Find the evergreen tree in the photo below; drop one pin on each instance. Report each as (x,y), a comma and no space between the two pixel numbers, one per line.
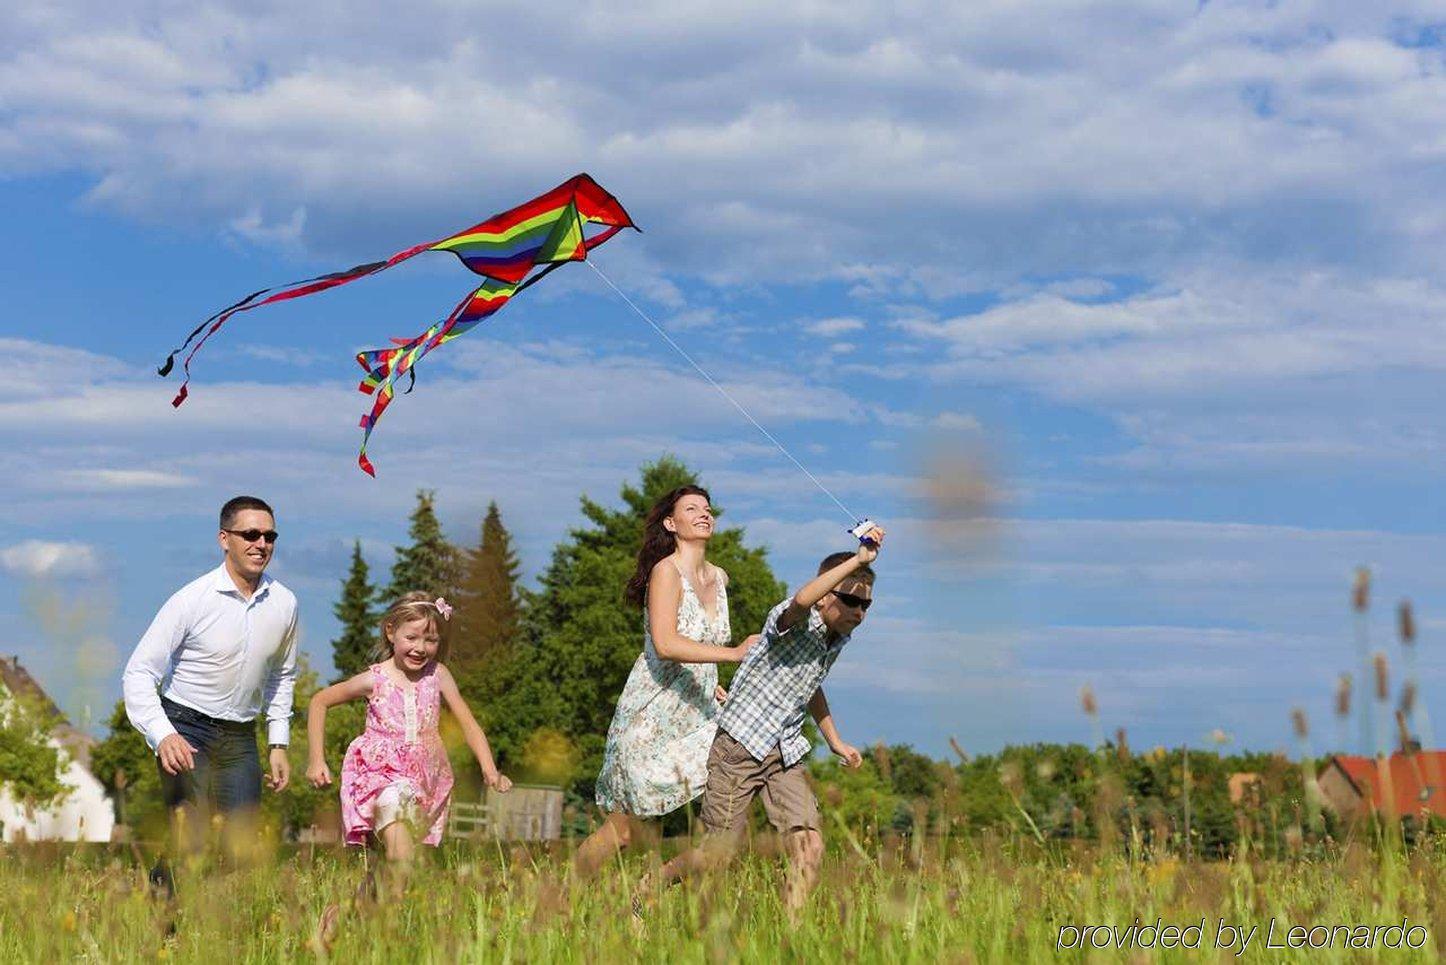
(127,768)
(430,563)
(351,650)
(303,805)
(580,638)
(489,604)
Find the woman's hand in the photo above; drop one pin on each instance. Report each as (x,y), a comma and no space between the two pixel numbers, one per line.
(318,774)
(719,694)
(749,642)
(498,782)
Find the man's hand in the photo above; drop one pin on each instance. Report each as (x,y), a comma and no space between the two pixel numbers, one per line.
(849,754)
(719,694)
(318,774)
(280,774)
(176,754)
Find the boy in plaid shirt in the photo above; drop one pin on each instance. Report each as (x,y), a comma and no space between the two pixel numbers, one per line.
(760,747)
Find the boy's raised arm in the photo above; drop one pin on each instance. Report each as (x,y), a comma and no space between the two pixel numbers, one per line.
(820,586)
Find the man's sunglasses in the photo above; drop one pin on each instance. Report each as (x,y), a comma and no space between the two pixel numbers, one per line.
(848,599)
(252,535)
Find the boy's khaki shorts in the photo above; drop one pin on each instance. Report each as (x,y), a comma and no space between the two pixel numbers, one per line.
(734,777)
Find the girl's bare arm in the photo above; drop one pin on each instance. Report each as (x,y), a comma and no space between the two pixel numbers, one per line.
(351,689)
(471,730)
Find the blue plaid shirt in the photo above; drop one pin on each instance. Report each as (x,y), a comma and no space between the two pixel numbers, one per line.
(771,691)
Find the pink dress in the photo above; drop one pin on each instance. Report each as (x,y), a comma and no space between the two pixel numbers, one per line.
(397,769)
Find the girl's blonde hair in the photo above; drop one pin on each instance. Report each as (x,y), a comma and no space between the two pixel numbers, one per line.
(414,606)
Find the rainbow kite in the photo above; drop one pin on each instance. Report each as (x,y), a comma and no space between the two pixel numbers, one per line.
(546,232)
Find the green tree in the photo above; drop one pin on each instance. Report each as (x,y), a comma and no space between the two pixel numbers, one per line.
(860,796)
(351,650)
(489,602)
(301,805)
(126,766)
(30,765)
(430,562)
(580,639)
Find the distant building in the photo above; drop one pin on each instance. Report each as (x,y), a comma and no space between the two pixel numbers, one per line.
(86,813)
(1408,785)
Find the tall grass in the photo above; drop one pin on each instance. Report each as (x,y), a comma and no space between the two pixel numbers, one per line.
(991,898)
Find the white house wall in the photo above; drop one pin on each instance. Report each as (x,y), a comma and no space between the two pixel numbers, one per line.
(86,814)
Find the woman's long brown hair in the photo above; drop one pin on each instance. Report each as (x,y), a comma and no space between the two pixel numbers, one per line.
(658,542)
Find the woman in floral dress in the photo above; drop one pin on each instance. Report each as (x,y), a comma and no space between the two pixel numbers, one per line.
(657,747)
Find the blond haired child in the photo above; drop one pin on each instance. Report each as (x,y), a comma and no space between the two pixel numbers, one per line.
(395,779)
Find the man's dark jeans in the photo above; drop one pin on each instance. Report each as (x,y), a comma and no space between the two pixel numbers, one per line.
(225,780)
(227,776)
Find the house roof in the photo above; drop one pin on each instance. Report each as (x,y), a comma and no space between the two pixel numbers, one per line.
(1417,781)
(17,680)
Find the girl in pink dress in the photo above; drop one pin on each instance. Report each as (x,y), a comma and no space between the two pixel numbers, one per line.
(395,779)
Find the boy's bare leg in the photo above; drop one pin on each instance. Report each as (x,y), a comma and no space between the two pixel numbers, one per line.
(615,834)
(714,854)
(805,854)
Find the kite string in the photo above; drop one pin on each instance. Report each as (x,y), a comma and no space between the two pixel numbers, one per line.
(722,391)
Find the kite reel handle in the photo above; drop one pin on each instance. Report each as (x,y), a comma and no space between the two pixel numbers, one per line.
(868,532)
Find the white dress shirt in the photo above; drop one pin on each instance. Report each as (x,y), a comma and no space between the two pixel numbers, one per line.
(214,651)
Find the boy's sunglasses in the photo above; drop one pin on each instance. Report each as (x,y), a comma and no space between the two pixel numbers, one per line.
(252,535)
(848,599)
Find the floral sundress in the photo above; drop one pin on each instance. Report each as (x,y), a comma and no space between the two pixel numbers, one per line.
(656,758)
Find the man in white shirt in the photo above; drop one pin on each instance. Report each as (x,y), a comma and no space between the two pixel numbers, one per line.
(221,651)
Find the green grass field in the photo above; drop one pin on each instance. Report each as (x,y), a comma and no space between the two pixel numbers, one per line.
(981,900)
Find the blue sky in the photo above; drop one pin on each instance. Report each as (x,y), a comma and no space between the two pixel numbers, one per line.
(1124,318)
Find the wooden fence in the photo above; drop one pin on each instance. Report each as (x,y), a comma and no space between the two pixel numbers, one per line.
(529,812)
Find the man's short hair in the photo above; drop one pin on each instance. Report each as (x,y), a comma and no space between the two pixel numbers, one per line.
(864,574)
(237,504)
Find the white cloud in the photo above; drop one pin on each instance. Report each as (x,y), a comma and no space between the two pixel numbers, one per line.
(1286,208)
(694,318)
(1247,370)
(832,327)
(590,420)
(283,234)
(278,354)
(1001,140)
(48,369)
(956,421)
(101,480)
(43,558)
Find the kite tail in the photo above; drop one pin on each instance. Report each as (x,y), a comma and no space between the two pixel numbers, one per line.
(385,365)
(367,422)
(280,294)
